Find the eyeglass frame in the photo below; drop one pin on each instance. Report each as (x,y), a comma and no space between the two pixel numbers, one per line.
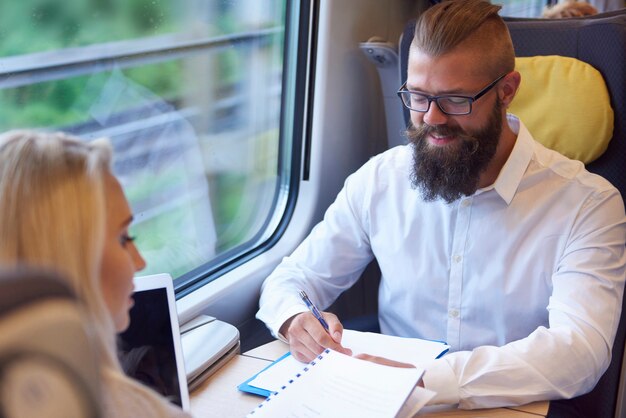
(435,99)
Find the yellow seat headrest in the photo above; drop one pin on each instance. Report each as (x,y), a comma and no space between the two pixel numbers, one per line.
(565,104)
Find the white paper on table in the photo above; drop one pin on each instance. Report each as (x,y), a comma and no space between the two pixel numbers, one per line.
(338,385)
(274,378)
(407,350)
(416,401)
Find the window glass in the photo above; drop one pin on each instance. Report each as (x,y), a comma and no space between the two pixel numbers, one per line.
(188,91)
(535,8)
(522,8)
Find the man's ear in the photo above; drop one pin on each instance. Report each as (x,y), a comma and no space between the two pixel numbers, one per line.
(508,87)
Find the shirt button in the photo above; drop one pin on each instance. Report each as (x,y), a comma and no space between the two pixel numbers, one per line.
(466,203)
(453,313)
(457,258)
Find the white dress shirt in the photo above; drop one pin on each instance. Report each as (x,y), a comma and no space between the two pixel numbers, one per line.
(523,279)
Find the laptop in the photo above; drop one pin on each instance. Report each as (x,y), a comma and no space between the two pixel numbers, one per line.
(150,350)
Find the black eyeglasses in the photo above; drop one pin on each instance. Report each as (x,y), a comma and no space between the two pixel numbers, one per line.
(450,104)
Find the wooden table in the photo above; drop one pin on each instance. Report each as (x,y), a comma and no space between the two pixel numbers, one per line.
(218,396)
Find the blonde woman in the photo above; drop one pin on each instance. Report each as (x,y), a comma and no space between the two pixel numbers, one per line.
(61,208)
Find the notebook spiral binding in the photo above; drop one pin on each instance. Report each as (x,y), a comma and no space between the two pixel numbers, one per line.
(306,369)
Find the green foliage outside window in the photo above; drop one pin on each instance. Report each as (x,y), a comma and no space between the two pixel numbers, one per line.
(32,29)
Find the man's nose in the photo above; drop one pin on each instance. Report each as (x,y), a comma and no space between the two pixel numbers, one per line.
(435,116)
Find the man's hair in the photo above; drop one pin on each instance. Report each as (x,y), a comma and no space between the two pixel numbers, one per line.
(445,26)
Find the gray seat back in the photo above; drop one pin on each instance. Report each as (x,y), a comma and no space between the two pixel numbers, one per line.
(48,365)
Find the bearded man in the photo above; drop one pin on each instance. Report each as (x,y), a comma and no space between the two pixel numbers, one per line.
(508,251)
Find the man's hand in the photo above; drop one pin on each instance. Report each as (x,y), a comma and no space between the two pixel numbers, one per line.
(384,361)
(307,337)
(387,362)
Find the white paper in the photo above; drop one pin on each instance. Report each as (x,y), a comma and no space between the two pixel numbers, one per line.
(406,350)
(342,386)
(276,376)
(416,401)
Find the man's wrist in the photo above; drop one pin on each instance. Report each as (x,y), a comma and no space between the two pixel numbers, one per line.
(280,327)
(283,332)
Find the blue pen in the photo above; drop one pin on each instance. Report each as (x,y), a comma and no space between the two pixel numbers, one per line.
(313,309)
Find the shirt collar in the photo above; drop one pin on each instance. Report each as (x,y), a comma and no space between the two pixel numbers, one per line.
(510,176)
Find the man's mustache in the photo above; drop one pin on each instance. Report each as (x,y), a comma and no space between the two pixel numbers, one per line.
(439,130)
(425,129)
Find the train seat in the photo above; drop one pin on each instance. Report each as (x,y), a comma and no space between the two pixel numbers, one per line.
(599,41)
(48,364)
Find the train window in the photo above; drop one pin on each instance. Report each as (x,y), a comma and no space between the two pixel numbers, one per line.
(191,95)
(536,8)
(522,8)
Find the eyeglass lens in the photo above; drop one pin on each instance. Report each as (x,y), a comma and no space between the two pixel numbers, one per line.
(450,104)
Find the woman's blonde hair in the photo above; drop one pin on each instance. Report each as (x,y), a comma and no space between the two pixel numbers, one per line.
(53,216)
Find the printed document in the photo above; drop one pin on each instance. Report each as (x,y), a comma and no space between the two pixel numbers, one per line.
(337,385)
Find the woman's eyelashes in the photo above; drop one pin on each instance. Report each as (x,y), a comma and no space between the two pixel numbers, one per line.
(125,239)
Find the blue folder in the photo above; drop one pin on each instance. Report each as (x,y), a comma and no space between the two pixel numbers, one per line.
(245,387)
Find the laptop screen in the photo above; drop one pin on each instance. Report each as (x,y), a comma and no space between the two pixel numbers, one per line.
(147,349)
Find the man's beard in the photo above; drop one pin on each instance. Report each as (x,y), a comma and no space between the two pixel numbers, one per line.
(453,170)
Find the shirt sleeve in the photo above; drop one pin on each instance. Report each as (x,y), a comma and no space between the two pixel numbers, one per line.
(569,357)
(326,263)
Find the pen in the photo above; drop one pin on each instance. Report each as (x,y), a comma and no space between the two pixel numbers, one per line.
(313,309)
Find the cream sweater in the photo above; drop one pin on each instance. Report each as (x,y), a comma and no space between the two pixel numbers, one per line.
(122,397)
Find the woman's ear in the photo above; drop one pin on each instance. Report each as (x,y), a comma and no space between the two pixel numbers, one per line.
(508,87)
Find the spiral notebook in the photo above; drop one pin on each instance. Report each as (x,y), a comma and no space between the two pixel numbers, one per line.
(407,350)
(337,385)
